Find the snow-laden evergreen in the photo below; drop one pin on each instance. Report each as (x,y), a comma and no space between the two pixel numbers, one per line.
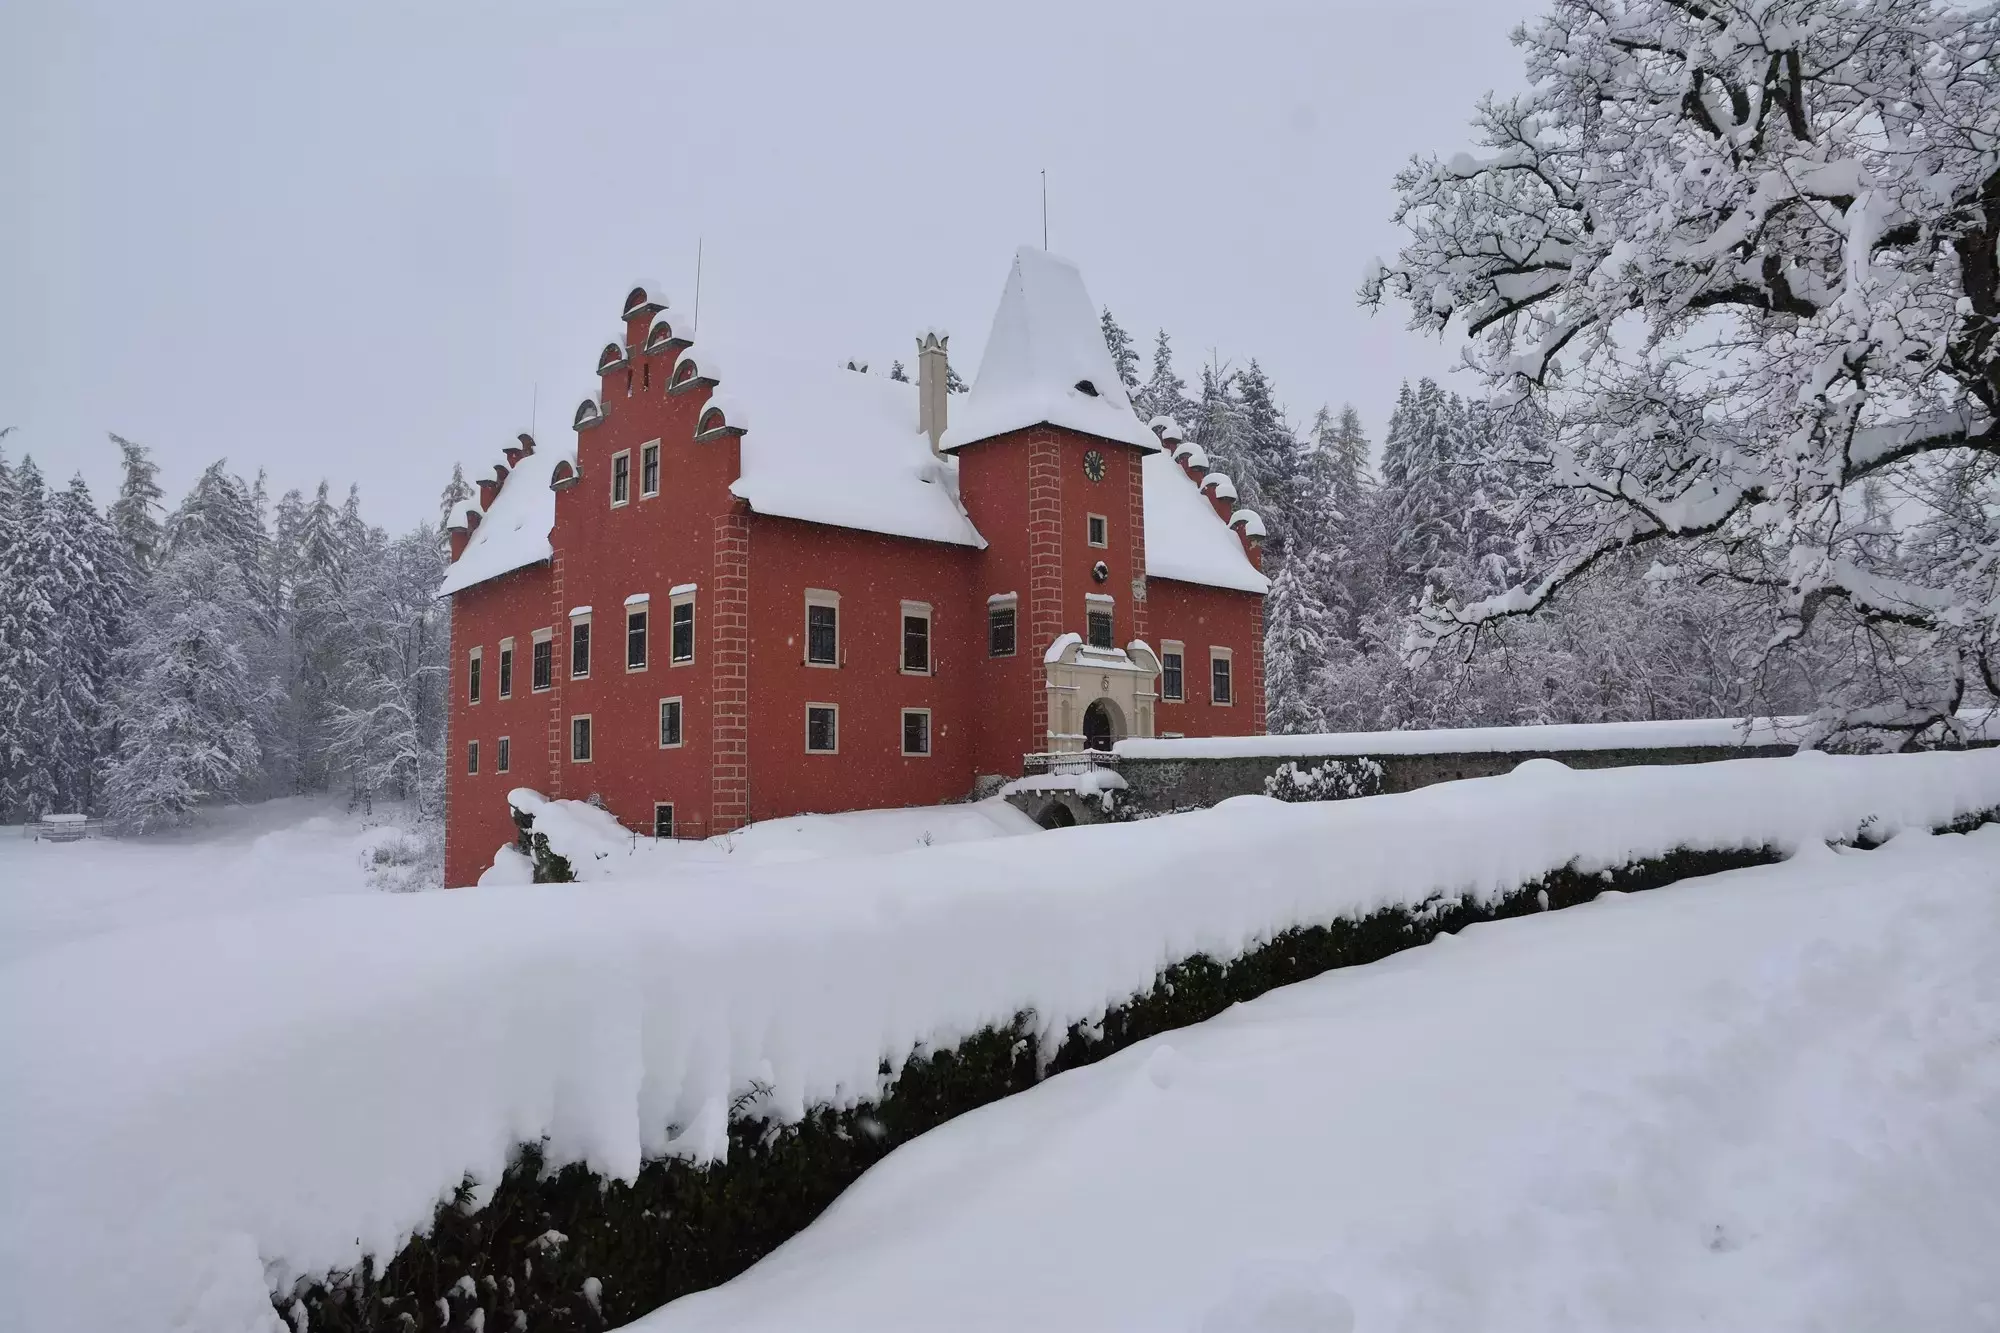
(1123,355)
(150,667)
(189,701)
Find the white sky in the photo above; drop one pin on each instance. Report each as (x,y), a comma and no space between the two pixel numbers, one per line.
(350,240)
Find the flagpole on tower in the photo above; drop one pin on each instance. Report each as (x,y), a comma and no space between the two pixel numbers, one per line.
(1045,208)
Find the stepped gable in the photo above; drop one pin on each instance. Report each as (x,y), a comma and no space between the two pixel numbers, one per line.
(509,527)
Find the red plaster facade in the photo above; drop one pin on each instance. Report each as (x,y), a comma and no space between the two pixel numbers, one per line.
(746,684)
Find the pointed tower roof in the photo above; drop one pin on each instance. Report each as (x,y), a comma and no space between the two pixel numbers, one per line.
(1045,361)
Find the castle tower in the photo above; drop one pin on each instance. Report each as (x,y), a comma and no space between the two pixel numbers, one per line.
(1050,450)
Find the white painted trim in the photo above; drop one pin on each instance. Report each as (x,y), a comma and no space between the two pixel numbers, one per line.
(902,734)
(625,454)
(812,704)
(650,447)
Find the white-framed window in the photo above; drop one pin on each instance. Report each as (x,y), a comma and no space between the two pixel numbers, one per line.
(542,663)
(1173,671)
(506,668)
(474,661)
(670,723)
(472,756)
(663,819)
(1098,629)
(1222,675)
(638,630)
(916,638)
(822,728)
(579,647)
(579,738)
(649,470)
(917,731)
(1097,530)
(503,755)
(822,628)
(621,477)
(680,642)
(1001,626)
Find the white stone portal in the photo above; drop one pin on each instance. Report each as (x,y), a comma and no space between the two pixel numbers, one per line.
(1098,696)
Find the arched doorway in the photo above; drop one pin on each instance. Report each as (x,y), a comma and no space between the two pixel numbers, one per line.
(1101,725)
(1057,816)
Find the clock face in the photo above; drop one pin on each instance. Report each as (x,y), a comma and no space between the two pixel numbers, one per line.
(1093,465)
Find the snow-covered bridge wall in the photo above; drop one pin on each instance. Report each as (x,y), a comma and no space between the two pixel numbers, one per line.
(1164,775)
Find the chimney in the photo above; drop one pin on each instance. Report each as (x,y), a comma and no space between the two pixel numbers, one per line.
(931,372)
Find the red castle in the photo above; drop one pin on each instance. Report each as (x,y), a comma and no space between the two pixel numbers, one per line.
(754,589)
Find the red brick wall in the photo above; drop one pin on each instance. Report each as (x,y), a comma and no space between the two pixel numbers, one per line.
(1201,617)
(874,576)
(993,483)
(476,818)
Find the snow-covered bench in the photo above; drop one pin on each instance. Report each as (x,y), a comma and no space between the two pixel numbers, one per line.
(63,828)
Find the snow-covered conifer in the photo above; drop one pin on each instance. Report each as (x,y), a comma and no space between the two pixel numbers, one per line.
(1123,355)
(451,503)
(91,590)
(29,584)
(1165,393)
(135,514)
(186,704)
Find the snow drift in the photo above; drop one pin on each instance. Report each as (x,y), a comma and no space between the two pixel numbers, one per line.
(199,1113)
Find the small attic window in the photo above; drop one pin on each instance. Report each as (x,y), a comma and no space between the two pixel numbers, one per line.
(1086,388)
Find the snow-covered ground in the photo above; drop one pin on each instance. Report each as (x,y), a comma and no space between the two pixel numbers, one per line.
(198,1110)
(235,858)
(1765,1100)
(600,848)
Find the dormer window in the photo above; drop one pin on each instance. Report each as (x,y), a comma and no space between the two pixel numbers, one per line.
(1086,388)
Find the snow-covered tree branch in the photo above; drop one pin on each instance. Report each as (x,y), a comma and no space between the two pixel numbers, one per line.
(1746,256)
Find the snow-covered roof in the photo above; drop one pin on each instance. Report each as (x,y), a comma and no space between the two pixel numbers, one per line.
(825,444)
(1186,539)
(832,445)
(515,532)
(1046,341)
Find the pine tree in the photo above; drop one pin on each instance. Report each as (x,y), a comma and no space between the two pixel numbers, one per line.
(1123,356)
(457,491)
(1423,548)
(386,722)
(1347,446)
(135,513)
(93,586)
(1165,393)
(897,373)
(220,513)
(28,597)
(1269,452)
(1298,640)
(186,707)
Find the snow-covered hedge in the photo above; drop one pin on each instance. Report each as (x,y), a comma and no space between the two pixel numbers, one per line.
(1334,780)
(198,1115)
